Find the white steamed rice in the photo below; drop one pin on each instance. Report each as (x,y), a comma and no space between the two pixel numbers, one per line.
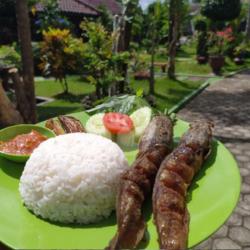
(73,178)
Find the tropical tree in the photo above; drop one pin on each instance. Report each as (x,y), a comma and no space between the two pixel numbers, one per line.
(25,90)
(161,21)
(124,35)
(221,10)
(100,61)
(175,13)
(25,110)
(138,31)
(105,17)
(155,26)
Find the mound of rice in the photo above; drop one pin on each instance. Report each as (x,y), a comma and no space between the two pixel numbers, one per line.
(73,178)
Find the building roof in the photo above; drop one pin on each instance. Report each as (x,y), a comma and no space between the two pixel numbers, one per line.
(112,5)
(86,7)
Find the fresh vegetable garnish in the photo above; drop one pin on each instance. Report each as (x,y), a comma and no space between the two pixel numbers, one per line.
(95,126)
(141,118)
(126,141)
(118,123)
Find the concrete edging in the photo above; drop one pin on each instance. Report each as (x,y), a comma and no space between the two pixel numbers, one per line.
(194,93)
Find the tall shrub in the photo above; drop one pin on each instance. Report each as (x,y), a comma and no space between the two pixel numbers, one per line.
(202,41)
(221,10)
(61,52)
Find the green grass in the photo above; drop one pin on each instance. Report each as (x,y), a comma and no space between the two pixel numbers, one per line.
(193,68)
(186,62)
(168,94)
(63,104)
(51,87)
(58,107)
(187,50)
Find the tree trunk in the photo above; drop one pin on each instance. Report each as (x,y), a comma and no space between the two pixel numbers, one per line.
(66,89)
(5,78)
(174,29)
(24,34)
(22,104)
(124,39)
(98,91)
(248,22)
(8,114)
(152,72)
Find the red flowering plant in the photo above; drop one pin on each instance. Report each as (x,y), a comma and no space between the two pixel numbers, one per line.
(218,41)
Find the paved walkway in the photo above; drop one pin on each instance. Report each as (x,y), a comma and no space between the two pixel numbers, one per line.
(227,103)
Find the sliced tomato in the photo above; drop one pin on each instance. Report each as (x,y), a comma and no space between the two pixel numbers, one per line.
(118,123)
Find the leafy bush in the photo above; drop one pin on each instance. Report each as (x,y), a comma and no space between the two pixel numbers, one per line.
(9,57)
(200,24)
(60,52)
(220,40)
(101,63)
(36,49)
(137,63)
(221,10)
(242,50)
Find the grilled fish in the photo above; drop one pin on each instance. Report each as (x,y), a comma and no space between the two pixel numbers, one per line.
(137,183)
(172,181)
(64,125)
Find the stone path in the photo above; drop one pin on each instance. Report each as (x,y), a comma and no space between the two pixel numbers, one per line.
(227,104)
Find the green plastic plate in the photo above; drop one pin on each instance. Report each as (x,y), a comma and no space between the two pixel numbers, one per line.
(212,198)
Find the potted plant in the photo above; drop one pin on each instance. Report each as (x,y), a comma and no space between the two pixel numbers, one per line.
(217,46)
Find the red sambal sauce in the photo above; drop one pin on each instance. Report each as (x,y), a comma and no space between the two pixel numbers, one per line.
(23,144)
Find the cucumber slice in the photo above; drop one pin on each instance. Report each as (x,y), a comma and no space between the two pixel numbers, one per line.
(141,118)
(95,125)
(126,141)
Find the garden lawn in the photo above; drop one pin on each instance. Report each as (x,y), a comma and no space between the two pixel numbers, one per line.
(186,63)
(63,104)
(168,94)
(191,67)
